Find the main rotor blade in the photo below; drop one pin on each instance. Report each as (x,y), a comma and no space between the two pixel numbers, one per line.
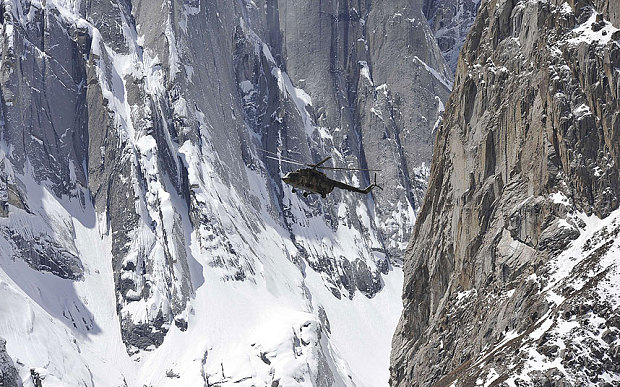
(286,161)
(280,157)
(317,165)
(270,152)
(320,162)
(350,169)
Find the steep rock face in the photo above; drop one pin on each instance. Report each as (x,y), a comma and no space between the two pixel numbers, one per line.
(514,251)
(377,82)
(34,138)
(131,167)
(8,374)
(450,20)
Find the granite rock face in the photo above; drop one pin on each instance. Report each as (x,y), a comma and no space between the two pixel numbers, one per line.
(450,21)
(34,139)
(8,374)
(513,254)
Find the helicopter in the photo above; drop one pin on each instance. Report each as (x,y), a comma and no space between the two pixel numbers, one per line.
(311,180)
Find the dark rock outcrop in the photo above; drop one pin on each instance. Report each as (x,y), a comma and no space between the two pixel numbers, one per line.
(8,373)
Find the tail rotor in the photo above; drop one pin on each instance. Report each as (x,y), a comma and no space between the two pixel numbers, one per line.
(373,185)
(377,185)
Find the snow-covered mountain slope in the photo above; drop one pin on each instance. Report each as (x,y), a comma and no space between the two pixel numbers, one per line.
(283,325)
(511,278)
(145,237)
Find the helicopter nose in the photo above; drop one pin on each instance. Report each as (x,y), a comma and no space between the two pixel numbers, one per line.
(285,179)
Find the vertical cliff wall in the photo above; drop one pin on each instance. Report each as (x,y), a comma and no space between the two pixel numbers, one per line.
(8,374)
(450,21)
(511,276)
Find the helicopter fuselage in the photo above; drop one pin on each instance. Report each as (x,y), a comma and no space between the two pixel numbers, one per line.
(310,180)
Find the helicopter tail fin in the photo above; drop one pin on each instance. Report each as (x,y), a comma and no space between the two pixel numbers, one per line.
(373,185)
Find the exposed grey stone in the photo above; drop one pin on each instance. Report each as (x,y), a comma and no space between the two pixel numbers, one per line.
(8,373)
(324,319)
(530,115)
(43,253)
(147,336)
(450,21)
